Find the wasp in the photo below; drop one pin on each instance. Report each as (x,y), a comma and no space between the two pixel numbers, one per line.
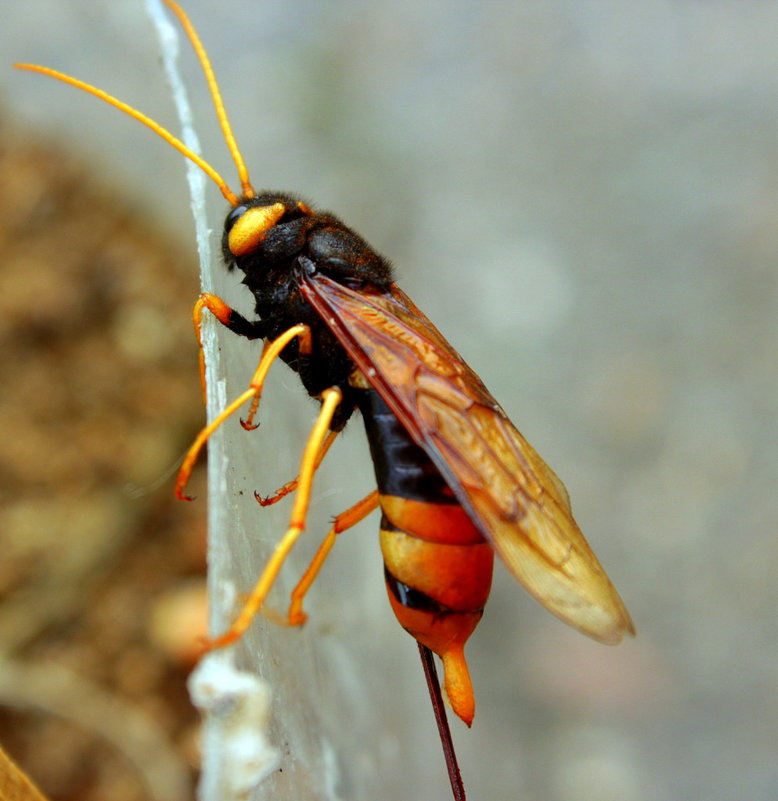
(456,481)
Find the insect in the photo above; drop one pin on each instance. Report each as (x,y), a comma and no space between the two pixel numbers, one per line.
(456,481)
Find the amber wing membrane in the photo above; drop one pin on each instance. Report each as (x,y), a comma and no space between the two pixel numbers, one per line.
(511,494)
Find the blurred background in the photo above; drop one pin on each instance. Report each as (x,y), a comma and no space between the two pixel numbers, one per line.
(582,196)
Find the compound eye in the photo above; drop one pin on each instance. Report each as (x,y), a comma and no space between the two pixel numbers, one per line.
(234,215)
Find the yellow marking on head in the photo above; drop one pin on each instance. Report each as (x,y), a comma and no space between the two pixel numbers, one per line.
(252,226)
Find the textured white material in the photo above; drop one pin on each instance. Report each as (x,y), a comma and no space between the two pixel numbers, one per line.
(243,716)
(235,705)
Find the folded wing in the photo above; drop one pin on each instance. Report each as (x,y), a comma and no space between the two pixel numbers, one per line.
(511,494)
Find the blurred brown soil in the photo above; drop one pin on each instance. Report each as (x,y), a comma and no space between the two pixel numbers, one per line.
(101,570)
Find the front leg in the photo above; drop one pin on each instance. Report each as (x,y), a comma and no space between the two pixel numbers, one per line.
(229,318)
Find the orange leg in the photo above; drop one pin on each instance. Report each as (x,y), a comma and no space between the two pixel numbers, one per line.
(343,522)
(254,390)
(331,398)
(229,318)
(291,486)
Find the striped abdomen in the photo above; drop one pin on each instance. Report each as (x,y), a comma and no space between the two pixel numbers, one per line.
(438,567)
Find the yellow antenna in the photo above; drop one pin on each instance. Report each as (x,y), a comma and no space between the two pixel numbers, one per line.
(231,197)
(218,103)
(243,173)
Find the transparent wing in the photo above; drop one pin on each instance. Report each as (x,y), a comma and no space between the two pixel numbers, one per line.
(513,496)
